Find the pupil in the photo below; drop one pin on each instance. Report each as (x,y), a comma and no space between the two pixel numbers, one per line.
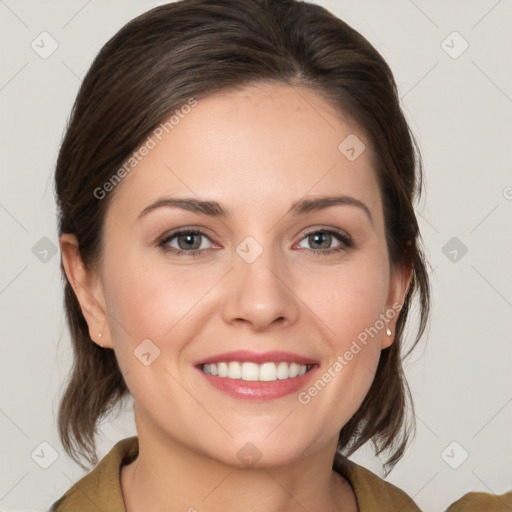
(189,241)
(317,236)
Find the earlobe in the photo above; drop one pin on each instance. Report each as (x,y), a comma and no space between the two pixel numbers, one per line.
(399,286)
(87,287)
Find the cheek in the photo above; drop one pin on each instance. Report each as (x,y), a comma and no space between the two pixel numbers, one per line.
(151,301)
(157,305)
(350,300)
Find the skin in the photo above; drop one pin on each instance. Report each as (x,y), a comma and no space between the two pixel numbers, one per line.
(255,150)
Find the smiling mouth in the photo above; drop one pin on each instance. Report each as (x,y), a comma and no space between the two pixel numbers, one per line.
(248,371)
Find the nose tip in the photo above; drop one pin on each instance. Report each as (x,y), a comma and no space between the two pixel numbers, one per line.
(258,297)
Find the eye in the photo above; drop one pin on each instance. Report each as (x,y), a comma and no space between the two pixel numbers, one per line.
(321,241)
(194,242)
(187,241)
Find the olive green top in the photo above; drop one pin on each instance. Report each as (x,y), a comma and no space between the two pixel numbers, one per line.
(100,490)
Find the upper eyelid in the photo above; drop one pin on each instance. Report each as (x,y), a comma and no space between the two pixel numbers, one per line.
(336,231)
(185,229)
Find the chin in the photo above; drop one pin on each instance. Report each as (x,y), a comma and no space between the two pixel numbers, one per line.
(260,453)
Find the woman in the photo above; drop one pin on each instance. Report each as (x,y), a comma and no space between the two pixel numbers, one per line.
(235,193)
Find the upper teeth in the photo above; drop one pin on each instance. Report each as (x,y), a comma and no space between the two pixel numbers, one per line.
(252,371)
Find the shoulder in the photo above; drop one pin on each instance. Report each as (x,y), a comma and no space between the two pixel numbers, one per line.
(372,492)
(100,489)
(480,501)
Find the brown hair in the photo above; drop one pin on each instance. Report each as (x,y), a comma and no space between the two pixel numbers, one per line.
(192,49)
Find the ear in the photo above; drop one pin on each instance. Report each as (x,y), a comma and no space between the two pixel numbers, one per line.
(400,280)
(87,286)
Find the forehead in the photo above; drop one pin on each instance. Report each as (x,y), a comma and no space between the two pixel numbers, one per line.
(259,145)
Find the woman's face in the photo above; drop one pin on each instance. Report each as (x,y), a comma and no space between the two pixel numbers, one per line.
(275,279)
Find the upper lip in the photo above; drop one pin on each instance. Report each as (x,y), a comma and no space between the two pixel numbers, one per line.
(257,357)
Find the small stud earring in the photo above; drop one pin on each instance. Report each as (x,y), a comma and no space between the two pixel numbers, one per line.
(99,336)
(388,331)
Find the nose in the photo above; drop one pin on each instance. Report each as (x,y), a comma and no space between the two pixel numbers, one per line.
(260,294)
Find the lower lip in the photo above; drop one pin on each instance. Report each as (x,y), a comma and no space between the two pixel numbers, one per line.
(258,390)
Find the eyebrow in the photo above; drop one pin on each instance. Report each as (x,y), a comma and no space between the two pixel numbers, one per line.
(214,209)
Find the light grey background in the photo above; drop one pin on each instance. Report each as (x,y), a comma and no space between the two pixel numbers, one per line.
(459,109)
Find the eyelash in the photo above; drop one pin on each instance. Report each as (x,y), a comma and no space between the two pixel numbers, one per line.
(345,239)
